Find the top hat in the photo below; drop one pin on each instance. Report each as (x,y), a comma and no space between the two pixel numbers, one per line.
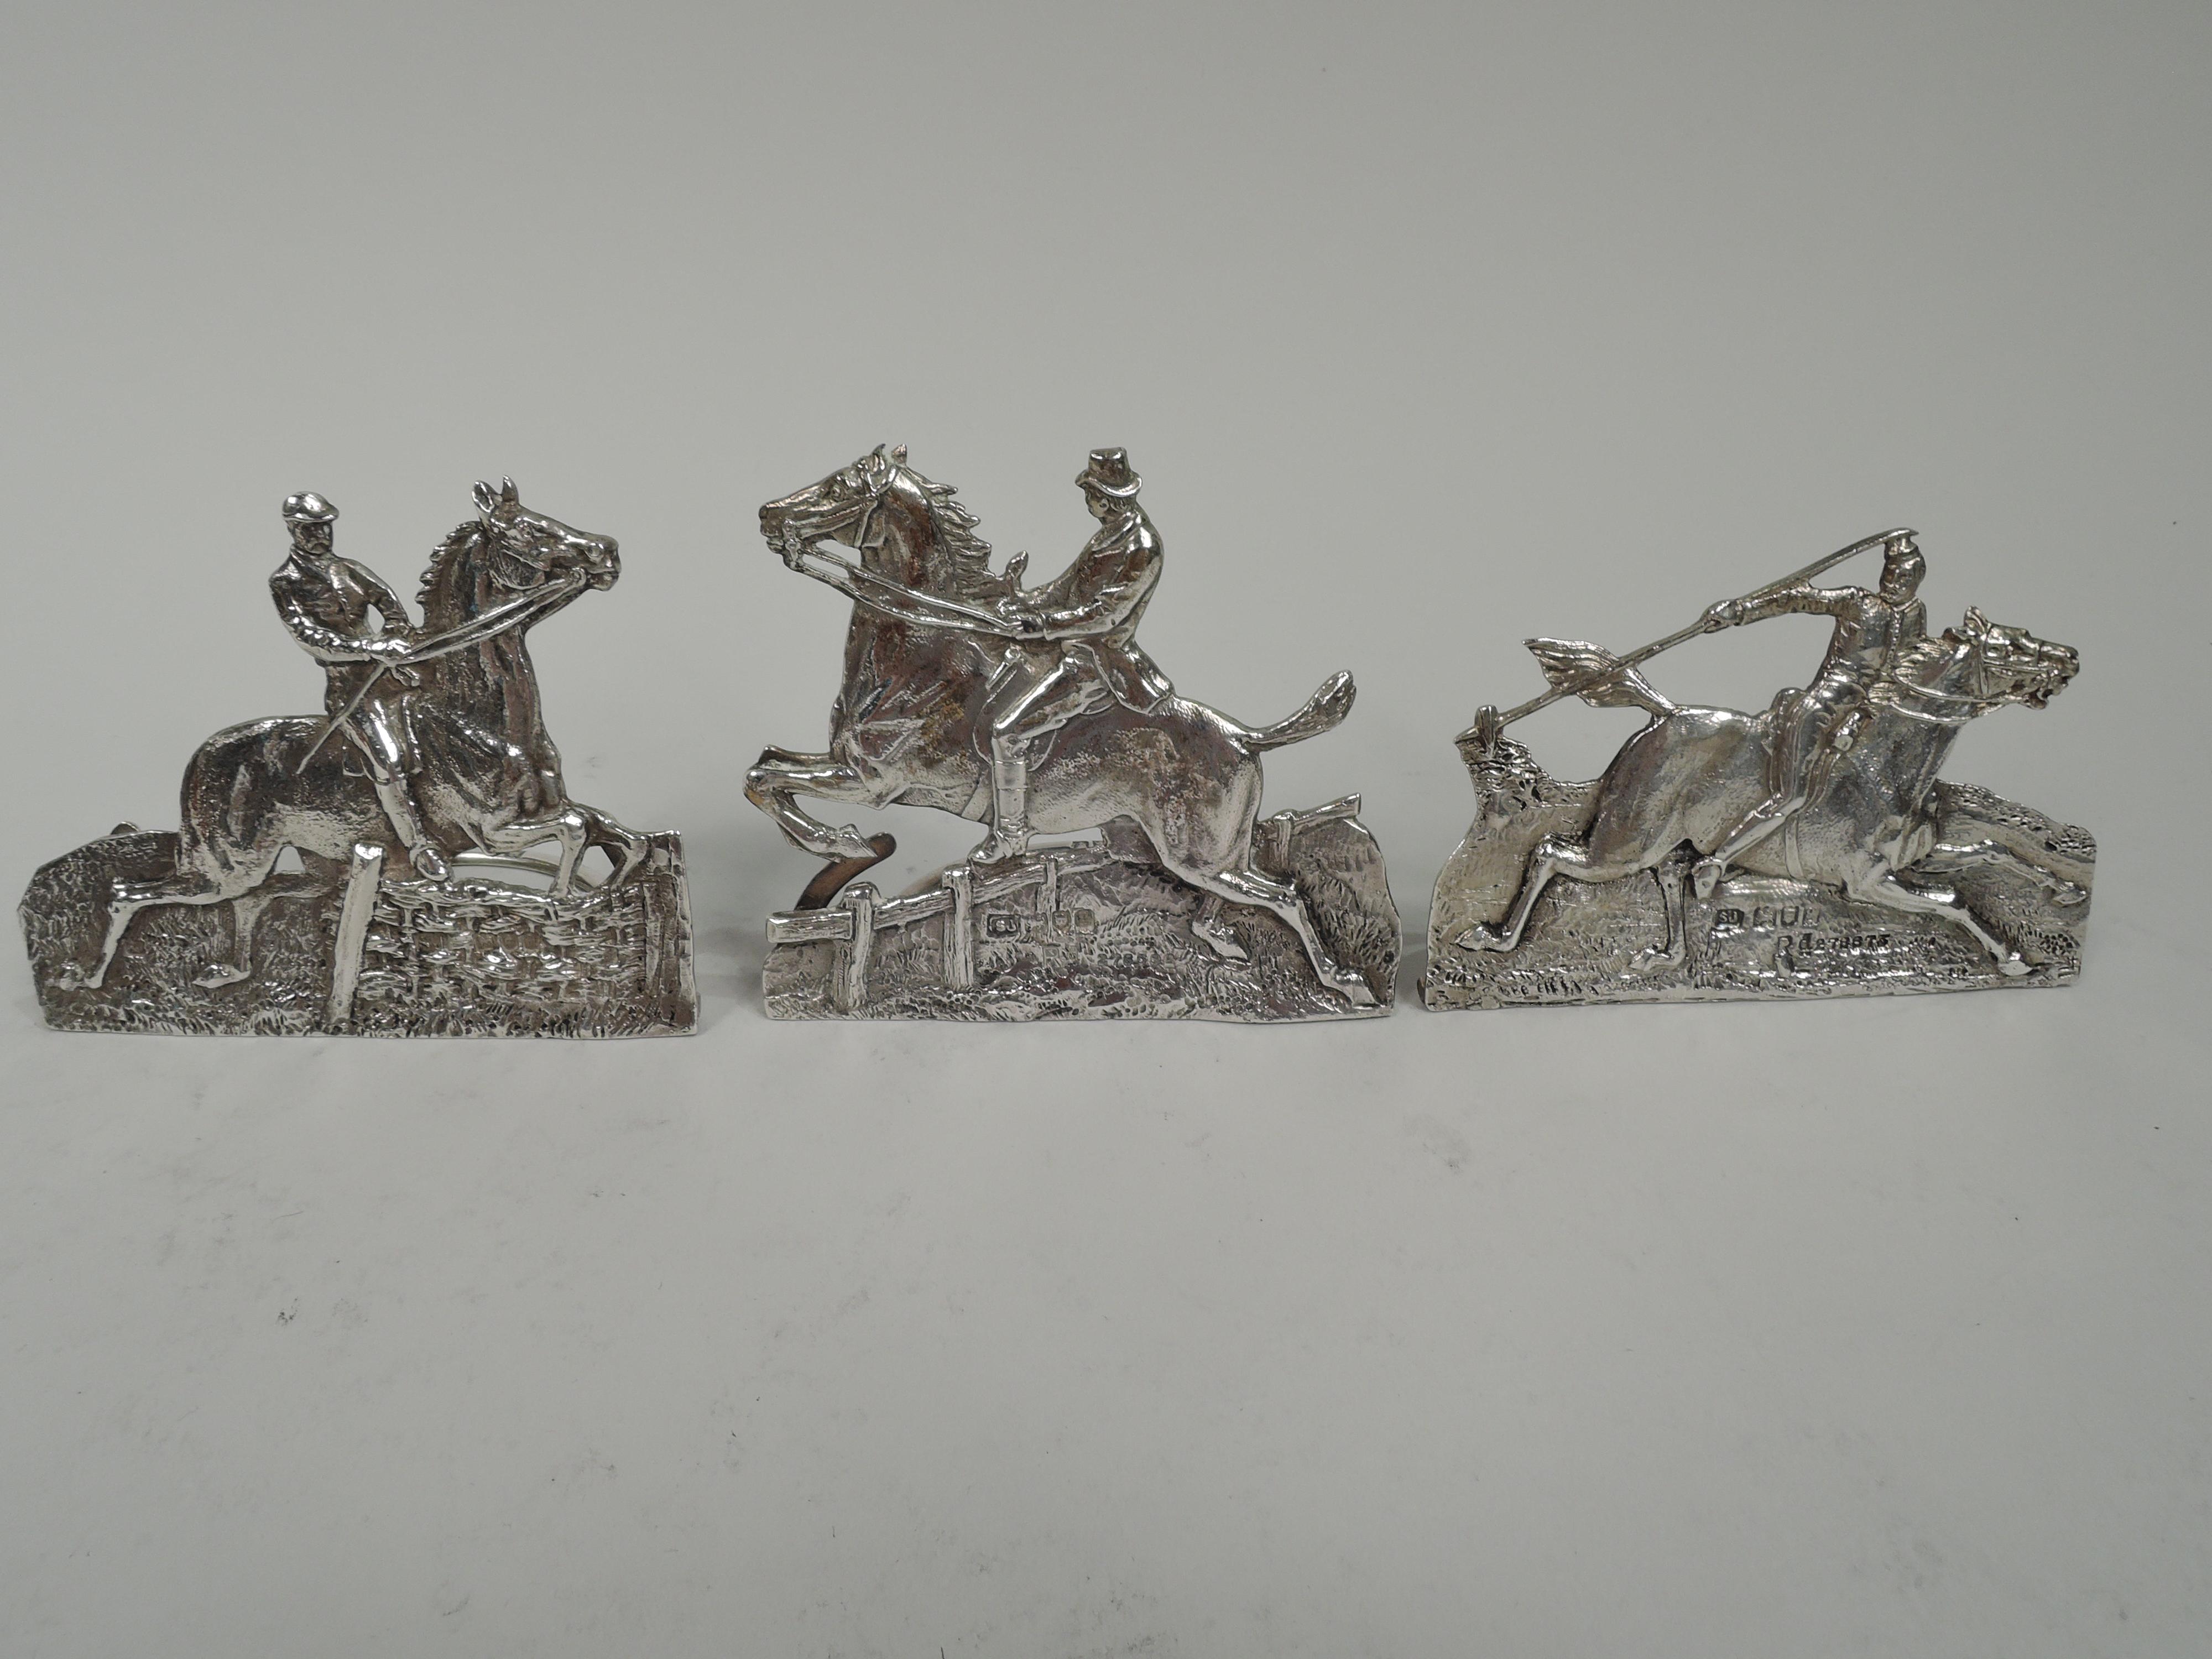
(1109,474)
(308,507)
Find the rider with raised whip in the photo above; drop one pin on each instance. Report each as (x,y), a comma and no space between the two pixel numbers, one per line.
(324,602)
(1870,628)
(1076,650)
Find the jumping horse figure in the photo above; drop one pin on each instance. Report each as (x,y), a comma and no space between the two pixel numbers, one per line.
(1693,774)
(906,726)
(491,777)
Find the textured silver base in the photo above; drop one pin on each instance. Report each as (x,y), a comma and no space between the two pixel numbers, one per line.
(1757,936)
(1083,932)
(485,954)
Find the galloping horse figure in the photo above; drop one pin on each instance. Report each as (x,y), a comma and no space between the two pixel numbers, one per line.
(904,728)
(1693,773)
(490,779)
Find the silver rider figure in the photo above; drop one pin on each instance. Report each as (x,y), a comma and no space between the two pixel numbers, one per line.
(324,602)
(1084,655)
(1870,628)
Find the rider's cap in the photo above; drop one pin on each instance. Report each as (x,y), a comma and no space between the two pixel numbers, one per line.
(1108,473)
(308,507)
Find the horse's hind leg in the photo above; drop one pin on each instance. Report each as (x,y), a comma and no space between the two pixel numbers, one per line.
(244,915)
(1881,886)
(1248,886)
(1553,855)
(193,883)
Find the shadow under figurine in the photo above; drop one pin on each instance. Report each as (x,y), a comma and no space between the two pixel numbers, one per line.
(413,806)
(1810,850)
(1034,710)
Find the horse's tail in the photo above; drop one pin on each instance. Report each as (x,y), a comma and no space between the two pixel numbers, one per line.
(1578,666)
(1324,711)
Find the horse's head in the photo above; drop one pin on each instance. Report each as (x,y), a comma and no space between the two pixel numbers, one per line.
(2010,665)
(902,525)
(529,549)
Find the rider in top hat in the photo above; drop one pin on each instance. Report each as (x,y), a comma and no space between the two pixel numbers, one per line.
(1084,655)
(1870,628)
(324,602)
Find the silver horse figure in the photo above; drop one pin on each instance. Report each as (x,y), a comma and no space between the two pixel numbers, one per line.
(930,631)
(490,776)
(1839,791)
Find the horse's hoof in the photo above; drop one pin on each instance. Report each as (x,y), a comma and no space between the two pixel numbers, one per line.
(2015,967)
(1216,935)
(1706,876)
(429,864)
(1653,962)
(222,973)
(1481,937)
(2068,893)
(850,843)
(1353,988)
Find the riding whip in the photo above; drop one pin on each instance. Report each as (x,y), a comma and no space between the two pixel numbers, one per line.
(1489,722)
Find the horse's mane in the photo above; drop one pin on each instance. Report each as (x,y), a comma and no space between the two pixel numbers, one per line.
(970,574)
(445,560)
(956,525)
(1918,663)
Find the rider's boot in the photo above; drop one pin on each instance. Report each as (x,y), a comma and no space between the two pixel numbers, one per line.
(398,802)
(1010,803)
(1756,825)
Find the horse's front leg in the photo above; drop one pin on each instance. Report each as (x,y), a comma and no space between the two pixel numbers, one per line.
(781,776)
(568,829)
(1881,886)
(1945,857)
(625,846)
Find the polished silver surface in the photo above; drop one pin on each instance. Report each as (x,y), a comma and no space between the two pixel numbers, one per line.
(1035,711)
(1809,850)
(413,806)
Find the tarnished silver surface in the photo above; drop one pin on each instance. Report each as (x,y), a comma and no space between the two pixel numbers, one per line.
(414,805)
(1810,850)
(1035,711)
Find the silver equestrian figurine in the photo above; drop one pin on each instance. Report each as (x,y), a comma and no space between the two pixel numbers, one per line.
(1809,850)
(1036,711)
(410,812)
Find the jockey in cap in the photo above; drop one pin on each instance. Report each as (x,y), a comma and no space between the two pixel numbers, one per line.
(324,602)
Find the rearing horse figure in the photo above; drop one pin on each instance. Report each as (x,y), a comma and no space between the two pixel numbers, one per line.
(904,728)
(1693,773)
(491,777)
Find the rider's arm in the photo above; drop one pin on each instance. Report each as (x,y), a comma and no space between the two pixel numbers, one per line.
(1798,599)
(318,639)
(1107,609)
(389,605)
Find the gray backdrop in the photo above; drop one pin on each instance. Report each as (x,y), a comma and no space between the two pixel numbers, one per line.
(1872,1328)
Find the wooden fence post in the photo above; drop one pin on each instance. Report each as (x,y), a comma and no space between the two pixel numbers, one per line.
(851,990)
(960,928)
(360,904)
